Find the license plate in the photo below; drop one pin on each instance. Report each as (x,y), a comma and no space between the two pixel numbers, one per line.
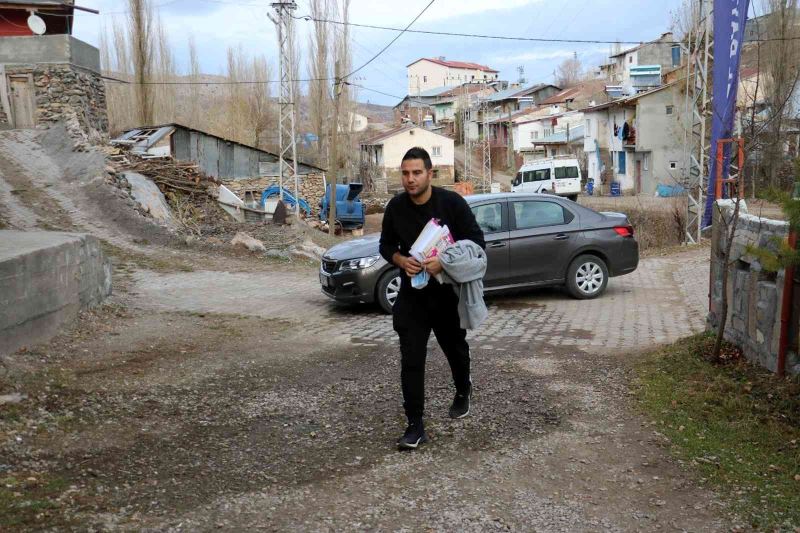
(325,280)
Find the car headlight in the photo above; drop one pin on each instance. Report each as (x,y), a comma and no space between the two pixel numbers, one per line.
(360,263)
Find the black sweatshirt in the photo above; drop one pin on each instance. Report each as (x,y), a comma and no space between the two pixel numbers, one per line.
(403,222)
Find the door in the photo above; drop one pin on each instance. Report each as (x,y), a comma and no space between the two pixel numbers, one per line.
(541,237)
(493,220)
(22,106)
(638,176)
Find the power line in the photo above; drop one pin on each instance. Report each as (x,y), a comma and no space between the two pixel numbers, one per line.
(373,58)
(308,18)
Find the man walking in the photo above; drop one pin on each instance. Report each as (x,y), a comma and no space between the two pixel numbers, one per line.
(417,312)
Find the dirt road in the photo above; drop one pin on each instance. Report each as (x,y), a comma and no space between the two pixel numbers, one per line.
(229,393)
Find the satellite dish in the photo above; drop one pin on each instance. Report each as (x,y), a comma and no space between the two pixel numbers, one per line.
(36,24)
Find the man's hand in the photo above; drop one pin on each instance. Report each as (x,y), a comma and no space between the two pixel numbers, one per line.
(433,265)
(411,266)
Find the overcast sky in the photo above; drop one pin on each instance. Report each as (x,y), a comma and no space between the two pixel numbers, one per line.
(218,24)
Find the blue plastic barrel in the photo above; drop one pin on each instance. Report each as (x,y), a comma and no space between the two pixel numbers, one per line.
(590,187)
(615,189)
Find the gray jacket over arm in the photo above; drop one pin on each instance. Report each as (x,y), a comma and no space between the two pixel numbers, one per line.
(464,265)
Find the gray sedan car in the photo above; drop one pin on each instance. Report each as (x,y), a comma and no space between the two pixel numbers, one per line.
(532,240)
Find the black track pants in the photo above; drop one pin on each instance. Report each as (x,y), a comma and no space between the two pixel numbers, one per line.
(415,316)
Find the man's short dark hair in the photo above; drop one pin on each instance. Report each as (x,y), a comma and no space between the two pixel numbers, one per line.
(419,153)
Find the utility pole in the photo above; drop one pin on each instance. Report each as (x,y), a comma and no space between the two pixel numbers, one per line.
(333,165)
(287,153)
(467,147)
(486,145)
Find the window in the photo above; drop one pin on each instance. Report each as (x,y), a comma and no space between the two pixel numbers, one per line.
(670,109)
(588,127)
(489,217)
(424,79)
(646,161)
(621,165)
(536,214)
(436,151)
(566,173)
(630,59)
(535,135)
(676,55)
(673,165)
(542,174)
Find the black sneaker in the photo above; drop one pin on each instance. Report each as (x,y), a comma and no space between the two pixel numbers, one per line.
(413,437)
(460,407)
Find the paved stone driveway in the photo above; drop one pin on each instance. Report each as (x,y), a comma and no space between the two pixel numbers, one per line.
(663,300)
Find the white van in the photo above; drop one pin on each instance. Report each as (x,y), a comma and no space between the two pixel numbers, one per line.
(554,175)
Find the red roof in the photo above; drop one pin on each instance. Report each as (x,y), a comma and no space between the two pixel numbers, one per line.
(456,64)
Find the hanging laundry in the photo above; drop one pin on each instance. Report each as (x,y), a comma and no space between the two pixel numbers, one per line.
(616,129)
(625,131)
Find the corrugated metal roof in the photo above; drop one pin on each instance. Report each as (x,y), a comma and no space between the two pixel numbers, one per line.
(378,139)
(515,92)
(164,129)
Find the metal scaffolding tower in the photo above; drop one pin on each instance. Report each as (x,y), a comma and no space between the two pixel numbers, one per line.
(698,113)
(287,162)
(486,146)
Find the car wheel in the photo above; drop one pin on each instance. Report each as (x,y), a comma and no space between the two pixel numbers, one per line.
(387,290)
(587,277)
(573,197)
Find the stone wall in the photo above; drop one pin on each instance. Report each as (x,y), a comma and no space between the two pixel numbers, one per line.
(312,187)
(66,93)
(754,295)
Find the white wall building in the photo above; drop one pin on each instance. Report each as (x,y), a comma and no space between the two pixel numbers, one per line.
(651,155)
(430,73)
(385,152)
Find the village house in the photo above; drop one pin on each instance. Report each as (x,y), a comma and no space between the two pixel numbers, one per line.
(244,169)
(437,108)
(556,127)
(46,74)
(548,132)
(382,155)
(637,141)
(430,73)
(642,66)
(503,109)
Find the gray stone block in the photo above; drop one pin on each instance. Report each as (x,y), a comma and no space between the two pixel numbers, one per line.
(46,278)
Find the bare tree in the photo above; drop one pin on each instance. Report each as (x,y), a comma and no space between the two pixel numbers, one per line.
(140,21)
(569,72)
(319,94)
(348,157)
(193,104)
(259,101)
(780,56)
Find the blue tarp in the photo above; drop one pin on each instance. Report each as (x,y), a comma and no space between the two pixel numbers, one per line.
(288,198)
(666,191)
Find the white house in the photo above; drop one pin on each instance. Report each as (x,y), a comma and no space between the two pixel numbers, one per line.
(637,141)
(384,153)
(642,66)
(429,73)
(531,129)
(356,123)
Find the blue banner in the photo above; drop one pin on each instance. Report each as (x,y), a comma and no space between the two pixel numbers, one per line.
(730,17)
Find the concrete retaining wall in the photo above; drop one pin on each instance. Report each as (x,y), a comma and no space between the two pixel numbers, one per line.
(49,49)
(754,295)
(46,278)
